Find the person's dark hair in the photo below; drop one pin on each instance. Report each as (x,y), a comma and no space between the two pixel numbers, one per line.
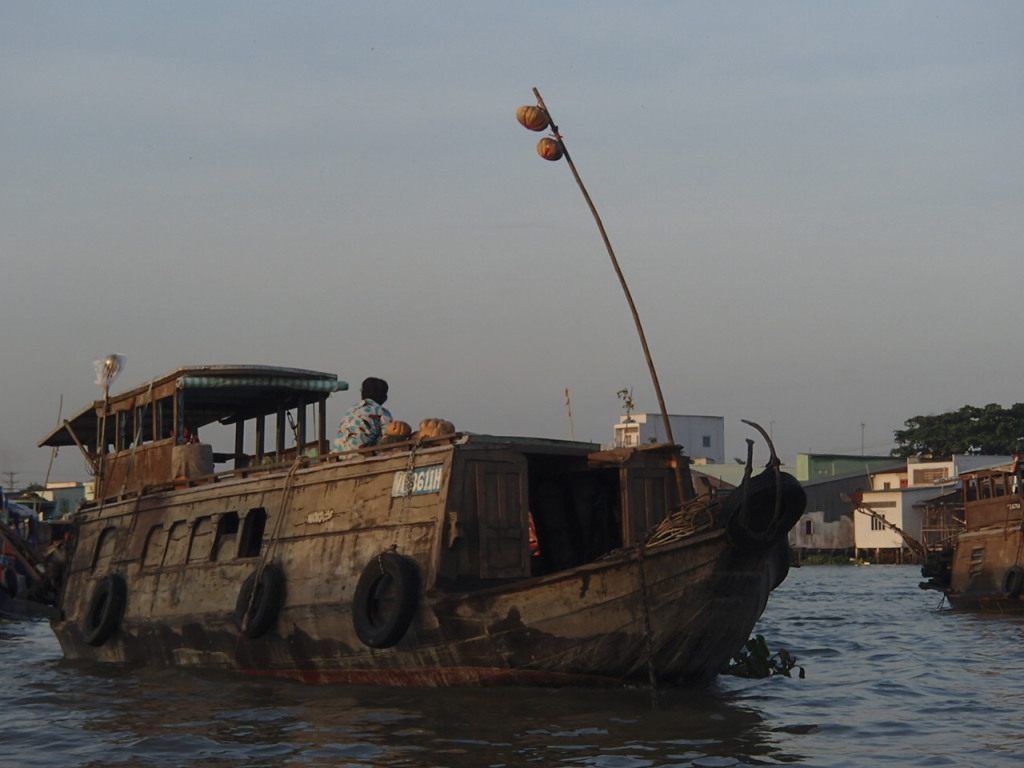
(375,389)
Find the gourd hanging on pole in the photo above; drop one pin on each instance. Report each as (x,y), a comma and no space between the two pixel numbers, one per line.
(553,148)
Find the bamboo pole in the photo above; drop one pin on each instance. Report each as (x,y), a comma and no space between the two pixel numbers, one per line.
(684,493)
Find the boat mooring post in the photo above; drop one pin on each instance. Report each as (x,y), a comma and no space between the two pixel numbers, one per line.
(684,487)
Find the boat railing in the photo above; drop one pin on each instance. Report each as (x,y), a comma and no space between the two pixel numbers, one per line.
(276,463)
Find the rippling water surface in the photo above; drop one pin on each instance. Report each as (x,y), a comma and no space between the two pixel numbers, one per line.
(892,679)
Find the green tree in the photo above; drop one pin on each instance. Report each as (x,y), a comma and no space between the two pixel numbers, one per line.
(626,396)
(988,430)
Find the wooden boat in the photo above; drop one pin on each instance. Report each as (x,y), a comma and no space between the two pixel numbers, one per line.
(29,563)
(407,563)
(983,567)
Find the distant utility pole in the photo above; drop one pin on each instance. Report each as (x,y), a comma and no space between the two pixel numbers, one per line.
(862,438)
(10,480)
(568,407)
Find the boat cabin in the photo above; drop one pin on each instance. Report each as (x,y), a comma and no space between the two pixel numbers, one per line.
(580,501)
(992,496)
(151,436)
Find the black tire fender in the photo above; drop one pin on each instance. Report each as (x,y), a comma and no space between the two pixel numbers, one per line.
(1013,581)
(259,604)
(10,580)
(385,600)
(106,609)
(758,524)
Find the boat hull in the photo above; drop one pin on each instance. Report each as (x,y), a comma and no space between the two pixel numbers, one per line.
(153,580)
(591,626)
(985,574)
(983,568)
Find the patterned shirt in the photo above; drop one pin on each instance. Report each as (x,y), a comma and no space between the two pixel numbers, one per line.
(363,425)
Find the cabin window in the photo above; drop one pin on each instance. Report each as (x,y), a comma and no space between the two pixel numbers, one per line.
(977,560)
(252,533)
(877,523)
(201,547)
(106,546)
(164,415)
(706,441)
(808,527)
(106,439)
(125,430)
(156,543)
(226,544)
(177,544)
(972,490)
(144,424)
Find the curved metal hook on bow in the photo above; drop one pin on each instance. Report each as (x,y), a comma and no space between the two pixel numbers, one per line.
(773,463)
(771,446)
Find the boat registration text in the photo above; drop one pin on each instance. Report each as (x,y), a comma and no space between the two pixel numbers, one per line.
(421,480)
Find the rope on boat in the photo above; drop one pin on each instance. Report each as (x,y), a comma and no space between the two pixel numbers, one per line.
(410,481)
(286,494)
(648,634)
(696,515)
(286,498)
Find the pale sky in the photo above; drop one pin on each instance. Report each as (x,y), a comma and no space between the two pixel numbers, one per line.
(817,206)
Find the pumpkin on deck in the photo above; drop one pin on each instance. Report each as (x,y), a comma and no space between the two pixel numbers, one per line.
(549,149)
(398,428)
(396,432)
(534,118)
(435,428)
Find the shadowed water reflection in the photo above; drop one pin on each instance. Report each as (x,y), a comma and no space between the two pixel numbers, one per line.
(890,680)
(171,718)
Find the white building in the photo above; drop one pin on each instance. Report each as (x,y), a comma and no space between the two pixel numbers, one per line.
(702,437)
(814,532)
(898,498)
(67,497)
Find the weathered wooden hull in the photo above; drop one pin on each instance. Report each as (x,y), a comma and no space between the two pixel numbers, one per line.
(584,627)
(25,587)
(983,568)
(983,571)
(674,612)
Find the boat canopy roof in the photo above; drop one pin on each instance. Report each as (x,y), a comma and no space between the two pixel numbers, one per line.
(1002,468)
(213,393)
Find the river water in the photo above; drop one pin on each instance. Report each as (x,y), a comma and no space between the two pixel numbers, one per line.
(892,678)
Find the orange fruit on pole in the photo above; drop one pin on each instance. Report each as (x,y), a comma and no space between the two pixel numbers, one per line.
(534,118)
(549,149)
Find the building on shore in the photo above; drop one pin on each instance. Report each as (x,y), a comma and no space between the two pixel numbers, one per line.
(56,500)
(920,499)
(831,480)
(703,437)
(918,496)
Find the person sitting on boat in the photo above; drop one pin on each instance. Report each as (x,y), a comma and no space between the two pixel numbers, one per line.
(364,423)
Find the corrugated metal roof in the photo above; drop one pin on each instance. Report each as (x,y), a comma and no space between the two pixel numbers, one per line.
(213,393)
